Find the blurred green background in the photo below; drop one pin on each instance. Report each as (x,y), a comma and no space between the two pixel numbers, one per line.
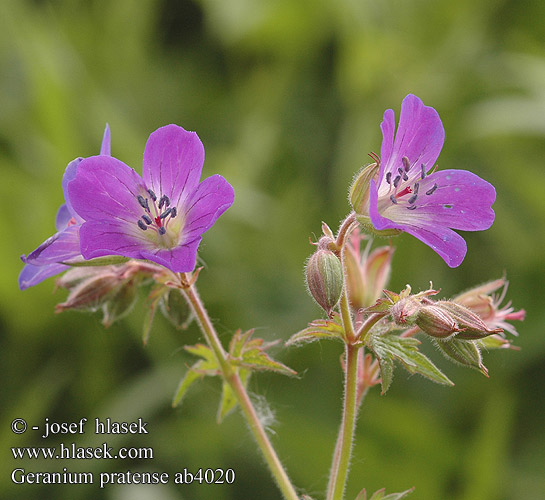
(287,97)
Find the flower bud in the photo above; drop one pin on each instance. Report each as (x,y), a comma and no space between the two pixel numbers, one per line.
(176,310)
(406,311)
(472,326)
(90,293)
(359,190)
(435,321)
(121,302)
(324,278)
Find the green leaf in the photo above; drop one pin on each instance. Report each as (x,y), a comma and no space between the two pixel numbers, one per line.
(319,329)
(228,399)
(194,373)
(388,347)
(250,353)
(463,352)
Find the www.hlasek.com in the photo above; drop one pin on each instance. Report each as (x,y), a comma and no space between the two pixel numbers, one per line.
(69,451)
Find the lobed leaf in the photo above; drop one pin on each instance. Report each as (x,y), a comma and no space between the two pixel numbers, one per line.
(388,347)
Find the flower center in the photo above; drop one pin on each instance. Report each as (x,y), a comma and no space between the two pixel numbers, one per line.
(402,185)
(157,214)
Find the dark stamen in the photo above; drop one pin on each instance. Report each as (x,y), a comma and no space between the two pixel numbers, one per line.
(165,213)
(430,191)
(141,225)
(173,212)
(143,202)
(411,207)
(162,230)
(406,164)
(397,180)
(393,199)
(147,219)
(423,174)
(405,176)
(153,196)
(164,201)
(416,187)
(413,198)
(389,177)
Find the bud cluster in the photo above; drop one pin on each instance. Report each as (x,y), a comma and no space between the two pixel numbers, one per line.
(443,319)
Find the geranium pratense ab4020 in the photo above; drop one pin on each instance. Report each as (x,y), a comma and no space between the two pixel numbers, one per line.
(63,246)
(160,216)
(408,195)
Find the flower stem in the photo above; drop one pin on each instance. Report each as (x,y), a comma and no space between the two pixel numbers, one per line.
(343,448)
(231,376)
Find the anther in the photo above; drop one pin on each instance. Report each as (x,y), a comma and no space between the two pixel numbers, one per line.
(165,213)
(423,174)
(153,196)
(143,202)
(389,177)
(412,199)
(147,219)
(411,207)
(393,199)
(142,226)
(164,201)
(162,230)
(173,212)
(397,180)
(430,191)
(416,187)
(406,164)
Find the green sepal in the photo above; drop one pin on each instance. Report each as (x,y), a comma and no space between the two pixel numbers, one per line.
(388,347)
(462,352)
(99,261)
(496,342)
(319,329)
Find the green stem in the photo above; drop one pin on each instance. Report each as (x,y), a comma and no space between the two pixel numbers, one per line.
(343,448)
(231,376)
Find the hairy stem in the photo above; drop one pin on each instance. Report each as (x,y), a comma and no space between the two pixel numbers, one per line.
(192,296)
(343,448)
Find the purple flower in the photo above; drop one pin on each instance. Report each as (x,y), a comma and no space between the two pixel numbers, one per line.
(160,216)
(409,195)
(63,246)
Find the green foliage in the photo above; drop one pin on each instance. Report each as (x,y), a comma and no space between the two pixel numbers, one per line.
(287,98)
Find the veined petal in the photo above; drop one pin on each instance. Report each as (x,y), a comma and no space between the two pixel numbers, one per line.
(106,189)
(180,259)
(63,217)
(68,176)
(61,247)
(448,244)
(419,138)
(462,200)
(114,237)
(213,196)
(32,275)
(445,242)
(173,161)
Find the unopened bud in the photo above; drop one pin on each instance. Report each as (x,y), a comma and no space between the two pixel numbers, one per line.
(406,311)
(120,303)
(359,190)
(325,278)
(90,293)
(176,310)
(472,326)
(436,322)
